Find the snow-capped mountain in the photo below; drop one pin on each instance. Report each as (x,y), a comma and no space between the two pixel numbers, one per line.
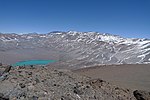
(80,48)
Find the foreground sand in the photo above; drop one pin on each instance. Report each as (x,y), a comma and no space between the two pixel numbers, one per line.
(135,76)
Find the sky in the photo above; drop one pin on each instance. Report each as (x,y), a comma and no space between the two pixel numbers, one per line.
(127,18)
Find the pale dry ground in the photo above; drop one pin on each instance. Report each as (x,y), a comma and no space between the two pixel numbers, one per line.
(135,76)
(13,56)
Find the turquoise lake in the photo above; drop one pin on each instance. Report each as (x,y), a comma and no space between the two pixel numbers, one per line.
(33,62)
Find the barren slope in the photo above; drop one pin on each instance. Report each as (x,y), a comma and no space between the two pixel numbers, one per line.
(135,76)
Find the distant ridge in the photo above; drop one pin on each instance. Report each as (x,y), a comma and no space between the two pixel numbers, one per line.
(82,49)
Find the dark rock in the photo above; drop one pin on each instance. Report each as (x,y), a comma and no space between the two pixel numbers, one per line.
(2,97)
(35,98)
(19,71)
(1,64)
(61,98)
(1,94)
(30,73)
(65,98)
(141,95)
(87,86)
(37,80)
(0,73)
(7,69)
(77,91)
(3,76)
(22,85)
(55,85)
(60,73)
(23,94)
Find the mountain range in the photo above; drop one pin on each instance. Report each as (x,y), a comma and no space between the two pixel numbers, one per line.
(74,49)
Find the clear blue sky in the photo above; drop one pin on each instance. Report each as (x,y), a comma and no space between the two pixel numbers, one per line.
(128,18)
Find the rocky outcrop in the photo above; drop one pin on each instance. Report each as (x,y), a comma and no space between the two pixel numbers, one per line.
(51,84)
(7,69)
(141,95)
(1,64)
(4,74)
